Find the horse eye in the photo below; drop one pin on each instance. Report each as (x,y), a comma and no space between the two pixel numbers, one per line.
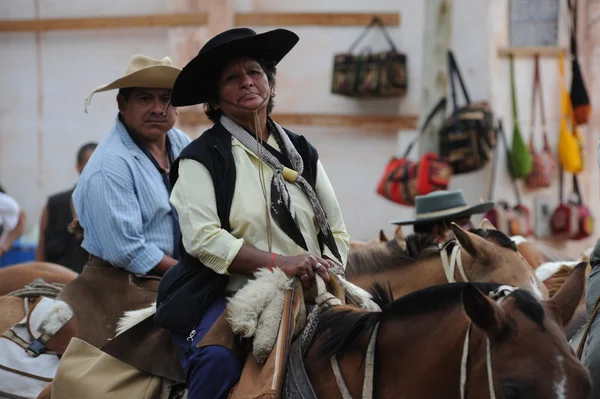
(510,392)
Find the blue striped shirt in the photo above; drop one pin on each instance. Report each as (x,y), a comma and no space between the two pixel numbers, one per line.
(123,204)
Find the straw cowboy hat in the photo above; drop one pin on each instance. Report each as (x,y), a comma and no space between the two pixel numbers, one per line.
(143,71)
(196,81)
(443,204)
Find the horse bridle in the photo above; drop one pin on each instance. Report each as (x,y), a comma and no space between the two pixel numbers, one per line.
(499,295)
(449,265)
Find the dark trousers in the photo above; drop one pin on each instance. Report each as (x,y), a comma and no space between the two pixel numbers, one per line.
(210,371)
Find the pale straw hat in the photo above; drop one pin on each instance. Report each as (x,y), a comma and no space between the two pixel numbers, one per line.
(143,71)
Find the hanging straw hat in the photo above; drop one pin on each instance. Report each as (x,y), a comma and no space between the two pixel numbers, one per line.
(143,71)
(443,204)
(194,84)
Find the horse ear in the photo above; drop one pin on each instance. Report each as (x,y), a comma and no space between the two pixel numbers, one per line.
(482,311)
(465,239)
(399,234)
(486,224)
(566,300)
(382,237)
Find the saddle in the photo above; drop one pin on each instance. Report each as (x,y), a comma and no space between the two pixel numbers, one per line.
(30,349)
(101,294)
(273,311)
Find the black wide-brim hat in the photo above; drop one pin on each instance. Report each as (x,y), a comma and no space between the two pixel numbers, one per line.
(443,204)
(196,80)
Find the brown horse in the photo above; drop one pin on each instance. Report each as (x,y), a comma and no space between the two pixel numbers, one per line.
(483,255)
(15,277)
(414,347)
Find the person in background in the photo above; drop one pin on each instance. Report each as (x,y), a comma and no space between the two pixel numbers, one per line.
(122,203)
(437,210)
(12,221)
(56,243)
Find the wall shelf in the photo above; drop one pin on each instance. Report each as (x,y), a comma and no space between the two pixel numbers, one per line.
(196,19)
(532,51)
(314,19)
(134,21)
(376,122)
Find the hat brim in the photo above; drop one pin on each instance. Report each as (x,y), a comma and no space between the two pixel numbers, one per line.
(473,210)
(191,86)
(154,77)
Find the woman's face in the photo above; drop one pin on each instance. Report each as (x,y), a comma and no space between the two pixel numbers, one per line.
(244,83)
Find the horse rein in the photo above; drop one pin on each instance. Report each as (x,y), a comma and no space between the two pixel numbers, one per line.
(325,299)
(449,265)
(367,391)
(499,295)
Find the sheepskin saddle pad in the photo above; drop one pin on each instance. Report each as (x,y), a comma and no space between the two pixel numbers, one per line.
(255,311)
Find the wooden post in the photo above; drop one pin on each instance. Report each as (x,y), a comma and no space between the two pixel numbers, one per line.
(436,42)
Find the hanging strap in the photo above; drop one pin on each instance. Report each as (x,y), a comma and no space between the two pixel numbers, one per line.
(572,6)
(537,94)
(513,94)
(576,190)
(375,21)
(494,172)
(438,107)
(453,70)
(561,181)
(510,172)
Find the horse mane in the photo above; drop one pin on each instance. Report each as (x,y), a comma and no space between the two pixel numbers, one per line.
(558,279)
(379,257)
(499,237)
(341,329)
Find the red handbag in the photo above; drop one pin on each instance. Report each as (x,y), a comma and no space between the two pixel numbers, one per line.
(543,161)
(404,179)
(585,220)
(501,216)
(572,220)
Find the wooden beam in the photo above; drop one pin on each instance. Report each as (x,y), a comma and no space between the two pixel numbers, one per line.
(134,21)
(376,122)
(196,19)
(531,51)
(313,19)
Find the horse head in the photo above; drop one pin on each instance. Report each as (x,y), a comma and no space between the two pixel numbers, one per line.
(457,341)
(530,356)
(489,255)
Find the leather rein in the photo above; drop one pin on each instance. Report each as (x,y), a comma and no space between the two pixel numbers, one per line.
(449,265)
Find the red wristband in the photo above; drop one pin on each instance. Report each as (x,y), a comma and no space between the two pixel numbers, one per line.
(273,255)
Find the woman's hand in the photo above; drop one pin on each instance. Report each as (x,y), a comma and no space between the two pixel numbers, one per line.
(303,266)
(335,267)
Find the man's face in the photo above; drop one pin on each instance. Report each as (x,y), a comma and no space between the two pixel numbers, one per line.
(143,112)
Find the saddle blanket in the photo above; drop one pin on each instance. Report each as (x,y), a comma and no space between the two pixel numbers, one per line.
(24,375)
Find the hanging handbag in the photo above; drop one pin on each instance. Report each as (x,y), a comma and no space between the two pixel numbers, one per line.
(467,138)
(585,220)
(543,161)
(510,220)
(579,94)
(404,179)
(519,156)
(570,142)
(370,75)
(564,221)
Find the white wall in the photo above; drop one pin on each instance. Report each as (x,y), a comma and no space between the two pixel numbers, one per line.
(45,82)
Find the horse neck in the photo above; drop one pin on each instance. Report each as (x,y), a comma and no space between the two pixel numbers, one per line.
(436,358)
(407,278)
